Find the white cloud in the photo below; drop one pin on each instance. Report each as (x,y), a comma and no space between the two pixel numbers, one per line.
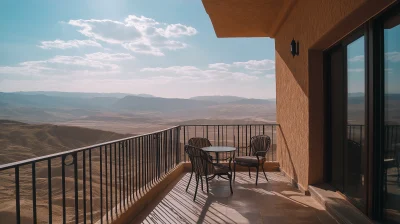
(177,30)
(358,58)
(61,44)
(200,75)
(244,71)
(390,56)
(355,70)
(90,64)
(109,57)
(220,66)
(393,56)
(256,65)
(138,34)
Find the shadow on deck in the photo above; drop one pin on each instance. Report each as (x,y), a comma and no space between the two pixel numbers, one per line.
(276,201)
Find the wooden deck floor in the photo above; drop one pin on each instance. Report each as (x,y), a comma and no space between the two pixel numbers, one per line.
(276,201)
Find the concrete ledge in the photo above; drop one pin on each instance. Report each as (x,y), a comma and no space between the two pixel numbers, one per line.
(336,205)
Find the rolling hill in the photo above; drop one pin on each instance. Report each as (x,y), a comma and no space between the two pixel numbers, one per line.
(218,99)
(32,140)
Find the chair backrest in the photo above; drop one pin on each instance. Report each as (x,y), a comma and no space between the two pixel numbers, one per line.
(260,143)
(354,155)
(201,163)
(199,142)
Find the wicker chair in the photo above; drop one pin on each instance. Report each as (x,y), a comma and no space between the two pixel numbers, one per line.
(198,143)
(204,167)
(259,146)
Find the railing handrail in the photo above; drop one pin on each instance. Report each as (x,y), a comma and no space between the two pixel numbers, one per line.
(227,124)
(68,152)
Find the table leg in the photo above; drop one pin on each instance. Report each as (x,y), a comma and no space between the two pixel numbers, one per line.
(217,155)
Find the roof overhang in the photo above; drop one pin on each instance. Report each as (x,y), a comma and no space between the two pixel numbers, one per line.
(247,18)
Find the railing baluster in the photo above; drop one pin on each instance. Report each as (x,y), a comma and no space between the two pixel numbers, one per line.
(142,164)
(84,184)
(63,188)
(76,207)
(218,135)
(49,201)
(115,180)
(238,141)
(137,167)
(106,162)
(246,142)
(130,169)
(119,177)
(272,141)
(123,175)
(140,170)
(17,196)
(111,185)
(90,186)
(184,140)
(34,192)
(101,184)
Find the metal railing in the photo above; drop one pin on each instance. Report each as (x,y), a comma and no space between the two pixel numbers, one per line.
(356,133)
(99,182)
(96,183)
(237,136)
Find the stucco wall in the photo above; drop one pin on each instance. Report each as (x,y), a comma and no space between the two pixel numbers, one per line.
(299,80)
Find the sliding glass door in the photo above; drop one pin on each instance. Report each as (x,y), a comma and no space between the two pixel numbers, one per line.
(363,110)
(355,151)
(391,114)
(346,79)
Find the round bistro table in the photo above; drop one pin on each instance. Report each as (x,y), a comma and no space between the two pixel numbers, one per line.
(219,149)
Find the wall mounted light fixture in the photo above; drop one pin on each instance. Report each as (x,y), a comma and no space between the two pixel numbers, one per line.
(294,47)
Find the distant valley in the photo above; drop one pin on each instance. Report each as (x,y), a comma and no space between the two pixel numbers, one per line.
(129,113)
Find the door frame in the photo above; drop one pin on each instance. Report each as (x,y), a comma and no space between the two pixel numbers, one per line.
(343,43)
(374,108)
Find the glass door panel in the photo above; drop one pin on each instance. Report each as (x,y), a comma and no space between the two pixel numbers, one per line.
(391,146)
(355,157)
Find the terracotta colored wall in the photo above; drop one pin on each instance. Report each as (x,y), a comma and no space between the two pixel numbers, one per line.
(316,24)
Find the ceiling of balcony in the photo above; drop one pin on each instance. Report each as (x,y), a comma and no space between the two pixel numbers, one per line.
(247,18)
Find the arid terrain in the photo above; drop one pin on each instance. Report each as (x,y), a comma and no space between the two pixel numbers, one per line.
(40,123)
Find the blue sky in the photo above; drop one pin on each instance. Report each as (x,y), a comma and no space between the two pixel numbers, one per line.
(356,63)
(164,48)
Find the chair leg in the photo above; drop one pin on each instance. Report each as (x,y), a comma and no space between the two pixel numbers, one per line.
(187,187)
(207,185)
(201,179)
(234,172)
(265,175)
(249,172)
(230,182)
(257,174)
(398,173)
(197,186)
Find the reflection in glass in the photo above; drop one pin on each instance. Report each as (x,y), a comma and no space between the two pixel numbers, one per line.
(355,157)
(391,175)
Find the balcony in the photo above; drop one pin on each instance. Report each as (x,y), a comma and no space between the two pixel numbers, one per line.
(143,179)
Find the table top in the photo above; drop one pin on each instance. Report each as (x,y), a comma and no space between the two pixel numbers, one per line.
(219,149)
